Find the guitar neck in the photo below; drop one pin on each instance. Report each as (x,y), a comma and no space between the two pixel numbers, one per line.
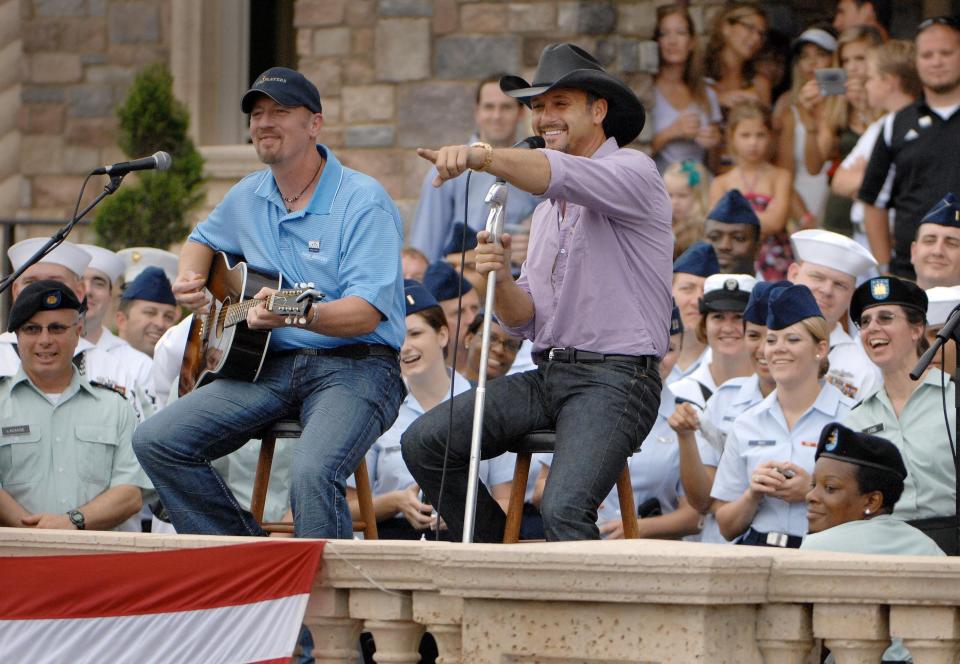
(237,313)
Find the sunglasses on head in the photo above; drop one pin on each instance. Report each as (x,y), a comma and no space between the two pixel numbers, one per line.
(948,21)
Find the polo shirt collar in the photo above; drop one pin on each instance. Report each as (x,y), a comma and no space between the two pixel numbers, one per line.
(326,190)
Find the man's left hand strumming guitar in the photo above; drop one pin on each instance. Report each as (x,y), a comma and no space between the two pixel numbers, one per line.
(312,220)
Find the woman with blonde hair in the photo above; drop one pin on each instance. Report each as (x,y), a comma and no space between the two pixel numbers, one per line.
(764,472)
(686,113)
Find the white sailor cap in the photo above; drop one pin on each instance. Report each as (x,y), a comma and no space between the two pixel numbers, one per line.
(105,260)
(67,254)
(726,292)
(941,301)
(137,259)
(832,250)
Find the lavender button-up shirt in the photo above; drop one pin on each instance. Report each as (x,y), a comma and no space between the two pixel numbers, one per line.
(599,275)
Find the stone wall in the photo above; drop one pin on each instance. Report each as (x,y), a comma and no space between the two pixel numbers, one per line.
(78,58)
(10,62)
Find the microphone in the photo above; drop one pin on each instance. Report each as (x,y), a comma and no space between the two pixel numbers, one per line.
(158,160)
(531,143)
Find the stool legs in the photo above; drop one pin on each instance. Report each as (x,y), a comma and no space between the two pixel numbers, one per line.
(262,478)
(518,489)
(365,498)
(628,508)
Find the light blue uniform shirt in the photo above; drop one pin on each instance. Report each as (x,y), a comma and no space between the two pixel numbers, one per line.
(441,207)
(347,242)
(654,470)
(761,434)
(730,400)
(920,434)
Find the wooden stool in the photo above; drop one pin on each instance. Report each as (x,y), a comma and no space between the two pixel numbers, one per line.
(544,441)
(268,441)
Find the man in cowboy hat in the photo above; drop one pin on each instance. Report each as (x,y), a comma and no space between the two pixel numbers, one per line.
(593,296)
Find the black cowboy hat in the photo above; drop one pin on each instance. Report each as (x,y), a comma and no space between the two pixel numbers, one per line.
(569,66)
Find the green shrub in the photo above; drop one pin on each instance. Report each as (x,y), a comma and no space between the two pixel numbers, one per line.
(153,210)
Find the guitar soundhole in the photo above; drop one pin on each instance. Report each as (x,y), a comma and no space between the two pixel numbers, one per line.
(222,315)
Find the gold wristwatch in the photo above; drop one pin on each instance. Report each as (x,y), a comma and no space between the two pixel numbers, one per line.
(488,149)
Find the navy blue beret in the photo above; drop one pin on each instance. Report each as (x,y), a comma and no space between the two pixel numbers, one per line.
(790,304)
(756,311)
(417,297)
(152,285)
(839,442)
(887,290)
(945,213)
(676,322)
(443,280)
(44,295)
(459,230)
(733,208)
(700,258)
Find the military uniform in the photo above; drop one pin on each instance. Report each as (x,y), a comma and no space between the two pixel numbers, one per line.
(59,454)
(921,436)
(851,371)
(882,534)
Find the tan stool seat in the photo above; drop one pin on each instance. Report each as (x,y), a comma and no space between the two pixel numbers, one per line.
(292,429)
(544,441)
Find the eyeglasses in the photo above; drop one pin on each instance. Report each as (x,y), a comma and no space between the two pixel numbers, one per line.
(510,345)
(760,32)
(884,319)
(34,330)
(948,21)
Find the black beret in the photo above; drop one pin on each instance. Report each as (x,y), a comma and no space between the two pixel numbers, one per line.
(839,442)
(887,290)
(45,295)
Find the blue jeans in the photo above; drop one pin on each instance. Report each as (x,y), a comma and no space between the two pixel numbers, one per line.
(343,405)
(601,413)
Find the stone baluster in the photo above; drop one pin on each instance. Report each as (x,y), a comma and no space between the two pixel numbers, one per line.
(335,634)
(784,633)
(930,633)
(854,633)
(442,615)
(389,618)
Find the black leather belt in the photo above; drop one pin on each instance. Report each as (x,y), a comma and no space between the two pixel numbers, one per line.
(351,351)
(585,356)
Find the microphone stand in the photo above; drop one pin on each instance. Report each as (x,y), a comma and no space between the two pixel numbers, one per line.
(497,199)
(947,332)
(57,238)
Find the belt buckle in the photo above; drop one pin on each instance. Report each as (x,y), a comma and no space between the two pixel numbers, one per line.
(551,353)
(777,539)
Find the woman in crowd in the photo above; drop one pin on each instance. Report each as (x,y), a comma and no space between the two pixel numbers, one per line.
(688,184)
(891,314)
(834,124)
(690,270)
(503,349)
(892,83)
(700,453)
(766,186)
(686,113)
(735,40)
(721,328)
(764,472)
(401,514)
(813,50)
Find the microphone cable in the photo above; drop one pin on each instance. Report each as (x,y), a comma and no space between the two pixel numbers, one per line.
(456,346)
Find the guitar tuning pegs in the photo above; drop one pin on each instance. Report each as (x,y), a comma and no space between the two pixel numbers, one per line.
(310,285)
(302,321)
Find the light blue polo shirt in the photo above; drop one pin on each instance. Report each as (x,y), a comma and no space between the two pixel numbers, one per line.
(347,242)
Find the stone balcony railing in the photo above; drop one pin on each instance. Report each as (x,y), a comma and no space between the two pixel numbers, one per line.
(602,602)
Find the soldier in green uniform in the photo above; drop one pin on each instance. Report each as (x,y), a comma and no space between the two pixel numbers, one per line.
(66,459)
(891,315)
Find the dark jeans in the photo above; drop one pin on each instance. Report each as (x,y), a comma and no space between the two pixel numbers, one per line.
(343,405)
(601,412)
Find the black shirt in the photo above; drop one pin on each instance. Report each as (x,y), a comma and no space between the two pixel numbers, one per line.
(925,149)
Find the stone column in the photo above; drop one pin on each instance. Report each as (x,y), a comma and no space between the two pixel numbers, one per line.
(930,633)
(336,635)
(388,616)
(784,633)
(442,616)
(854,633)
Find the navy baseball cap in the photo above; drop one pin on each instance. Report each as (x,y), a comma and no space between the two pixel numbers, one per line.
(284,86)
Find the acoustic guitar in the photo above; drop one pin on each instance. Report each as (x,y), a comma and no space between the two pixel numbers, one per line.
(220,345)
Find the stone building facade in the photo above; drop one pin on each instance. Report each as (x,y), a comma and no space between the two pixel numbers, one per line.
(393,75)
